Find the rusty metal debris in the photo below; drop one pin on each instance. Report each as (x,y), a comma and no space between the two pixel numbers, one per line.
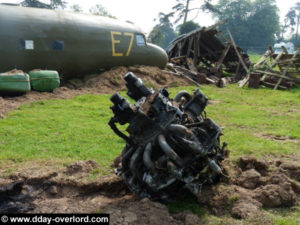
(203,55)
(279,71)
(171,144)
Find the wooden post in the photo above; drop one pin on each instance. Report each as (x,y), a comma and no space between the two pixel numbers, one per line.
(245,81)
(237,52)
(189,47)
(254,80)
(196,49)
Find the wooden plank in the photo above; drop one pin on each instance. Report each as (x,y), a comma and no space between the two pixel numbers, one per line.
(285,71)
(199,35)
(196,49)
(186,70)
(224,54)
(263,59)
(187,77)
(272,85)
(273,74)
(191,41)
(237,52)
(178,57)
(245,81)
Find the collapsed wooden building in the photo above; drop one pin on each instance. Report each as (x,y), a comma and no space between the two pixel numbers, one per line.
(206,52)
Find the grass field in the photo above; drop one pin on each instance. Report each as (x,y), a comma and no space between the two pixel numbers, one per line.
(77,129)
(63,131)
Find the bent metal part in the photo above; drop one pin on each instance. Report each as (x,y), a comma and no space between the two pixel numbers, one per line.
(171,146)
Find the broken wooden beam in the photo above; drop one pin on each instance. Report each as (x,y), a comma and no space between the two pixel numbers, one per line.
(273,74)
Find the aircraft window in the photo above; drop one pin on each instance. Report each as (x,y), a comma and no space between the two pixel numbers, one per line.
(140,40)
(58,45)
(27,44)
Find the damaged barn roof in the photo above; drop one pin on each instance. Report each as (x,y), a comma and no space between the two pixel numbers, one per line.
(206,45)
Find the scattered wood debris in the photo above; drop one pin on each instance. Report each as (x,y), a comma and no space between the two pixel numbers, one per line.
(278,71)
(205,55)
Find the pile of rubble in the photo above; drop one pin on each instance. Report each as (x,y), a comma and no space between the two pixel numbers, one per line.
(278,71)
(205,55)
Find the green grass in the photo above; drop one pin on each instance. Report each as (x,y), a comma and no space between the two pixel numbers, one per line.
(65,130)
(77,129)
(255,57)
(68,130)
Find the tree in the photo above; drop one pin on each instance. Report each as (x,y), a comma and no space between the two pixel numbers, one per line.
(187,27)
(282,31)
(163,33)
(252,23)
(182,8)
(156,36)
(54,4)
(294,40)
(76,8)
(293,19)
(99,10)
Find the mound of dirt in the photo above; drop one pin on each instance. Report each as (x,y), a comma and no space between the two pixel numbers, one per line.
(251,187)
(112,81)
(105,83)
(146,212)
(82,167)
(250,162)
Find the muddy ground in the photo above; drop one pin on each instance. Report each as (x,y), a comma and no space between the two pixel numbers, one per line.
(251,185)
(105,83)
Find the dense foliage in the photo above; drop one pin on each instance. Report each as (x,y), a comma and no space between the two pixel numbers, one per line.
(163,33)
(292,20)
(54,4)
(182,8)
(252,23)
(187,27)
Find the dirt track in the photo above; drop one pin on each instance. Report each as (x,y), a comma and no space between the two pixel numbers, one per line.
(105,83)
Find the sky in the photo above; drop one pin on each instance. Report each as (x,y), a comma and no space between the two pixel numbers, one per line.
(143,12)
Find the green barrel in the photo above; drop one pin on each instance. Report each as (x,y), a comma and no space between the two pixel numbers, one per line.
(44,80)
(14,82)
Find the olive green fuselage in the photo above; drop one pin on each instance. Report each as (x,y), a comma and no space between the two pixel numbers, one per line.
(71,43)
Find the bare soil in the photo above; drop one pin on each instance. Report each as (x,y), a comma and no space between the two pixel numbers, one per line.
(64,191)
(105,83)
(250,186)
(273,137)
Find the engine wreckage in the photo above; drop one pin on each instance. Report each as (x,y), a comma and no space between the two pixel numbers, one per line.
(171,144)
